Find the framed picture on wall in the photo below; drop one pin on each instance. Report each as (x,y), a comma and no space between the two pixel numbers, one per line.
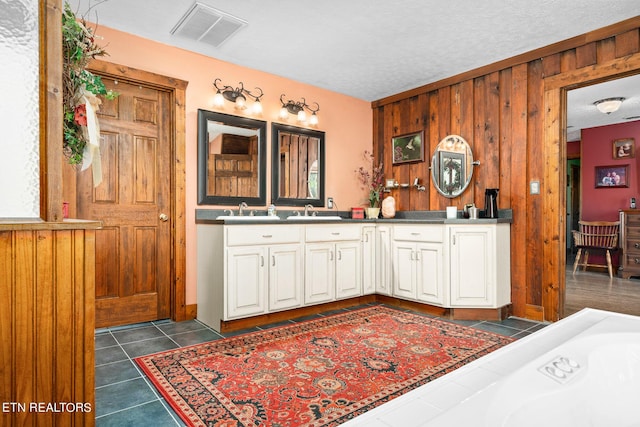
(408,148)
(624,148)
(612,176)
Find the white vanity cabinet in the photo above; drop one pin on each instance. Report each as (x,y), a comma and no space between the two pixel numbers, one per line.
(332,262)
(479,259)
(369,261)
(263,269)
(383,260)
(247,270)
(261,279)
(285,276)
(246,282)
(418,263)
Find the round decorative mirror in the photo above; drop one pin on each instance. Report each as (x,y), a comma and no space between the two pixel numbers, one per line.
(452,166)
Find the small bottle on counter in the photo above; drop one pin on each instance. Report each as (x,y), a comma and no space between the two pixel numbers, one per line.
(271,211)
(633,203)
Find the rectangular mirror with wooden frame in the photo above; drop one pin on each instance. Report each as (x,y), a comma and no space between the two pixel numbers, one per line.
(231,159)
(297,166)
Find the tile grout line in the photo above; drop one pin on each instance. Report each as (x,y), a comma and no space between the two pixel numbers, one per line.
(127,408)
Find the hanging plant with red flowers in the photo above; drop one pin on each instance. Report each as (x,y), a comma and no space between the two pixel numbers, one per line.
(80,87)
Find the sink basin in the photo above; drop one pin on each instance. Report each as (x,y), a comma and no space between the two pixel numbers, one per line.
(248,218)
(315,218)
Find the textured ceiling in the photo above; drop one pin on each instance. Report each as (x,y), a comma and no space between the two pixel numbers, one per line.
(368,49)
(581,113)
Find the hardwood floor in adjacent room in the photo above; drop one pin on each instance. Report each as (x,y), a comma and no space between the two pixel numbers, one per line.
(593,288)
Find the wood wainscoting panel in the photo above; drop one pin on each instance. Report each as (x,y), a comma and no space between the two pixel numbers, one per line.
(47,326)
(512,114)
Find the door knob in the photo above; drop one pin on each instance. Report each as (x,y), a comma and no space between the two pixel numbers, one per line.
(164,217)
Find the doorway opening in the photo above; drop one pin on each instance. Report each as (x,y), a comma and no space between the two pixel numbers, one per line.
(594,288)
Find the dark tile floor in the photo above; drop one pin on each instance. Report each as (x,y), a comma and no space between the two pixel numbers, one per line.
(125,397)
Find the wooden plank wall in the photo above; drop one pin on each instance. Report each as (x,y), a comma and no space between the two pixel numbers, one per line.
(47,327)
(500,110)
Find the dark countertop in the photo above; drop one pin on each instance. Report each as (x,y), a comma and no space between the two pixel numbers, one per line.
(208,216)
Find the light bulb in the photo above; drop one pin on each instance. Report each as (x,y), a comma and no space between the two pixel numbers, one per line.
(240,102)
(284,113)
(302,116)
(313,120)
(218,100)
(257,107)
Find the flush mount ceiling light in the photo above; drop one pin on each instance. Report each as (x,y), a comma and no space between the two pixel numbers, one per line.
(608,105)
(237,95)
(298,108)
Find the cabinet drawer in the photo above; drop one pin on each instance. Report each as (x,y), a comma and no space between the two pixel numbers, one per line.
(633,220)
(332,233)
(632,247)
(262,235)
(420,233)
(633,232)
(632,260)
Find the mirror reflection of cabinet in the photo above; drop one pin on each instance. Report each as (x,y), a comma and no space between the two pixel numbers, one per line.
(298,166)
(231,159)
(233,166)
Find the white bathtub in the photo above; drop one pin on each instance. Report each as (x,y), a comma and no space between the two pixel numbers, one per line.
(581,371)
(592,380)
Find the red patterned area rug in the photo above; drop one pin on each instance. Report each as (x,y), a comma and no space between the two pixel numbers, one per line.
(317,373)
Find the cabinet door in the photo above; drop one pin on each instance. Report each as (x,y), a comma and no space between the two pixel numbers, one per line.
(368,260)
(472,266)
(246,282)
(285,276)
(429,273)
(319,262)
(383,260)
(404,270)
(348,270)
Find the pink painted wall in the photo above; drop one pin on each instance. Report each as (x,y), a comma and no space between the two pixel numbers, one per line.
(347,121)
(604,203)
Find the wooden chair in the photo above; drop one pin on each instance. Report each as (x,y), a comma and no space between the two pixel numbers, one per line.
(592,236)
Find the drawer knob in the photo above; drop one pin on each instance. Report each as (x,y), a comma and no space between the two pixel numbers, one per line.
(267,236)
(636,245)
(636,260)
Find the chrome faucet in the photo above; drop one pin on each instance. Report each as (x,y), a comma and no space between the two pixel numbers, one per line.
(307,208)
(241,207)
(229,211)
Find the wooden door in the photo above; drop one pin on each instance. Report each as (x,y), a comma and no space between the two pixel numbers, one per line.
(133,249)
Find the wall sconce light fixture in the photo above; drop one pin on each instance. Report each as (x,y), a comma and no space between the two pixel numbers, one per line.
(298,109)
(237,95)
(608,105)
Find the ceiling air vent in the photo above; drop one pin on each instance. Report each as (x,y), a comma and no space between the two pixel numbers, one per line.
(208,25)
